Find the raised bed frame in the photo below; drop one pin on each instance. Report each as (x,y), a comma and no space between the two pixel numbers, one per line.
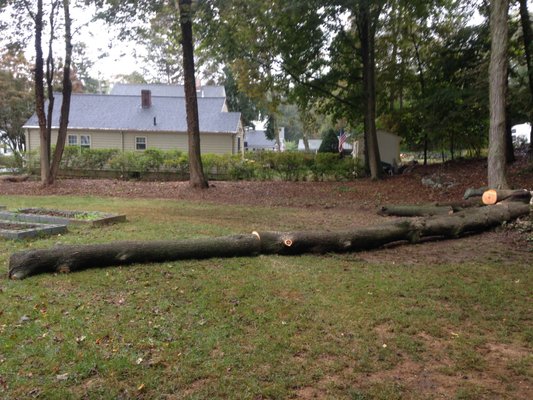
(33,229)
(25,215)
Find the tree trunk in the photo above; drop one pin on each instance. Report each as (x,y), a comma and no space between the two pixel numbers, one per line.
(509,147)
(422,83)
(497,93)
(39,94)
(65,104)
(367,35)
(197,178)
(527,35)
(78,257)
(415,210)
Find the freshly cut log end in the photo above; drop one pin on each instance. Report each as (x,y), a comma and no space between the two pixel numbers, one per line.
(490,197)
(493,196)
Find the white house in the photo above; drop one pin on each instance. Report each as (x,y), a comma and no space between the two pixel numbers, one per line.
(389,147)
(522,132)
(5,150)
(139,117)
(314,144)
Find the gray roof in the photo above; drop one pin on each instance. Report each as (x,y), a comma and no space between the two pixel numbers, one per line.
(258,140)
(111,112)
(127,89)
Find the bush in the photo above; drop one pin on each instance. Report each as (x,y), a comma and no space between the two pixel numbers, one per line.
(266,165)
(75,157)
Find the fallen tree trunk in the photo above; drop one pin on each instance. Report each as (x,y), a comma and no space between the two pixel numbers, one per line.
(73,258)
(67,258)
(415,211)
(428,210)
(493,196)
(474,192)
(14,178)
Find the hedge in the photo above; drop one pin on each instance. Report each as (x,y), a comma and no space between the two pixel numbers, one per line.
(266,165)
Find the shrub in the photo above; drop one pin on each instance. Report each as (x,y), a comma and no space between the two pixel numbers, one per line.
(151,160)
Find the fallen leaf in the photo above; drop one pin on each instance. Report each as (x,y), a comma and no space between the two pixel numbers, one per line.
(24,318)
(62,377)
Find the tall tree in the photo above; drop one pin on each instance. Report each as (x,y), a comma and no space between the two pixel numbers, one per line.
(49,174)
(67,91)
(367,17)
(497,178)
(527,36)
(197,178)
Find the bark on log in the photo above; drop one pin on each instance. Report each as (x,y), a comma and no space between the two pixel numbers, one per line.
(474,192)
(73,258)
(415,211)
(67,258)
(14,178)
(493,196)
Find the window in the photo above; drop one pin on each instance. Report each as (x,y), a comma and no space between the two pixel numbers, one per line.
(85,141)
(72,140)
(140,143)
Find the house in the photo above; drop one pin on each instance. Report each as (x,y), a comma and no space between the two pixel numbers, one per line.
(314,144)
(140,117)
(521,132)
(256,140)
(5,150)
(389,147)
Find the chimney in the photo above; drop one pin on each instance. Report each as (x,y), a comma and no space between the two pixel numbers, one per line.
(146,98)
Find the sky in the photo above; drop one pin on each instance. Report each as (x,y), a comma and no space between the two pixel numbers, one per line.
(111,57)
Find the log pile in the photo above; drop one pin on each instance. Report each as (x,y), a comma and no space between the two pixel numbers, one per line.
(435,221)
(14,178)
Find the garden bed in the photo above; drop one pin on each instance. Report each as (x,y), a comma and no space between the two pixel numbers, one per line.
(21,230)
(53,216)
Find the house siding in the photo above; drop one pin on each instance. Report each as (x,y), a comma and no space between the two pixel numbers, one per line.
(216,143)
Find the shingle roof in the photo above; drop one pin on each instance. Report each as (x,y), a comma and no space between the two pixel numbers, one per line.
(126,89)
(258,139)
(121,112)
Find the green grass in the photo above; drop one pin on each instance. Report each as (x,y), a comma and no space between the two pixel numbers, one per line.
(275,327)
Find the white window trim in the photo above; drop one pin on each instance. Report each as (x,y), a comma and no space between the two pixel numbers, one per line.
(73,136)
(145,143)
(90,141)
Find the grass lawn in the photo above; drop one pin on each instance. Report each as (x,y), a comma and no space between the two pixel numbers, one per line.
(327,327)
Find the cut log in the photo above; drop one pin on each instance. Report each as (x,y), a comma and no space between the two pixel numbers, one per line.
(493,196)
(415,211)
(69,258)
(73,258)
(14,178)
(474,192)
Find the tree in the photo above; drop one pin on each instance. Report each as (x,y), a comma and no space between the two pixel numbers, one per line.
(498,86)
(197,178)
(527,36)
(16,104)
(367,17)
(49,169)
